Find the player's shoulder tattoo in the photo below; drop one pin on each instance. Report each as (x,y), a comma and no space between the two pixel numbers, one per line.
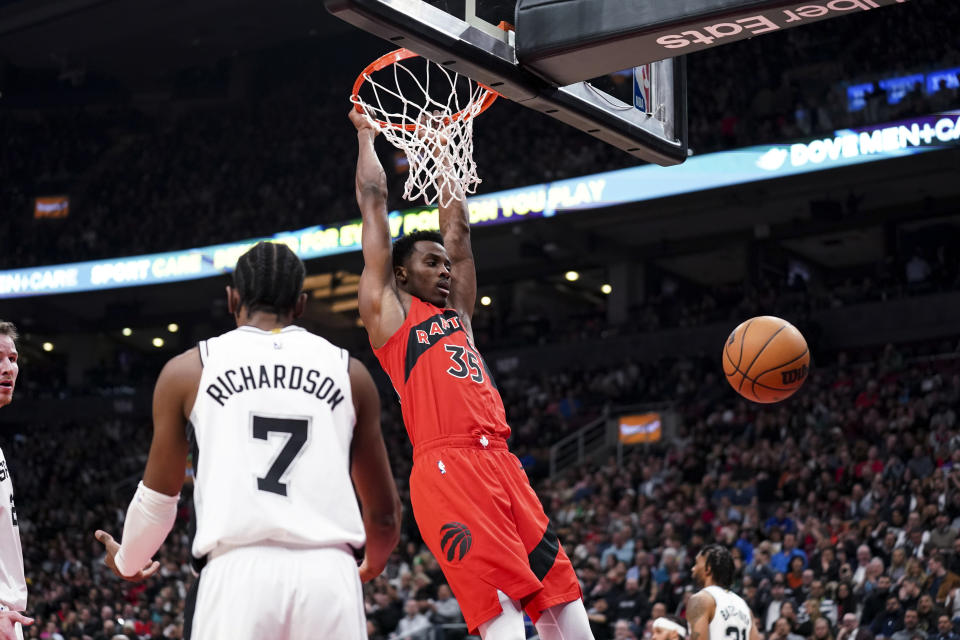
(698,607)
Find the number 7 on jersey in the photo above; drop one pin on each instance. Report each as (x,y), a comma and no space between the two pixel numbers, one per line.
(299,431)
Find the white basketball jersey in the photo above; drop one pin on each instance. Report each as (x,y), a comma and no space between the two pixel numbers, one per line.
(273,423)
(732,618)
(13,585)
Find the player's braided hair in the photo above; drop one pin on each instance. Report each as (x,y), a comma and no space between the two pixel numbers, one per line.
(403,246)
(720,562)
(9,329)
(269,277)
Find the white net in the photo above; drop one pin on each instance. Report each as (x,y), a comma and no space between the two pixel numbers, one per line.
(432,125)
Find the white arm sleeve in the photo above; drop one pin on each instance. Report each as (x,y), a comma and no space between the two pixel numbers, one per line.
(150,518)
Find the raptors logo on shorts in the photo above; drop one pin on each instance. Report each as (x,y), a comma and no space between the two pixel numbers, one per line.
(455,540)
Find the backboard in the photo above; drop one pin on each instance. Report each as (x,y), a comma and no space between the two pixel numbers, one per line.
(562,50)
(463,35)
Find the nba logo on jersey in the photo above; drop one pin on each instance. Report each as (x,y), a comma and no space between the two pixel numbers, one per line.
(641,88)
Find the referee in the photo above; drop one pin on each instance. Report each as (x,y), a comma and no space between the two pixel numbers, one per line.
(13,586)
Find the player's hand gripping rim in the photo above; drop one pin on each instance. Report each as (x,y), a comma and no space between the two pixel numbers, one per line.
(363,122)
(112,547)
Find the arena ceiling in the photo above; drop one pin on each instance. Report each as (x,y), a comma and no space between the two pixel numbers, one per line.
(129,39)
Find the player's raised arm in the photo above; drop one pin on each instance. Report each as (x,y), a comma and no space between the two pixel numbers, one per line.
(372,477)
(455,228)
(700,609)
(380,303)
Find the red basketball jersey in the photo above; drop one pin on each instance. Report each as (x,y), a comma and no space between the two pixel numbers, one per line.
(444,385)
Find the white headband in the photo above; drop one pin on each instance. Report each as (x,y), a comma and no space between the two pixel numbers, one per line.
(670,625)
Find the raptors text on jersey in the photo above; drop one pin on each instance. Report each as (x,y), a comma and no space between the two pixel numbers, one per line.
(445,387)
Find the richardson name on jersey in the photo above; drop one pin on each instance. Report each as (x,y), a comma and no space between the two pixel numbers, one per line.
(310,382)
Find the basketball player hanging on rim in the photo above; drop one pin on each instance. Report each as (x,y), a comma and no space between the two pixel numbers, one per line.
(13,585)
(471,498)
(282,420)
(715,612)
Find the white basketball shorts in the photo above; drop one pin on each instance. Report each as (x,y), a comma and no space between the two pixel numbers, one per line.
(272,592)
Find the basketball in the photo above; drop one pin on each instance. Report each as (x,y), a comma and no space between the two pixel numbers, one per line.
(766,359)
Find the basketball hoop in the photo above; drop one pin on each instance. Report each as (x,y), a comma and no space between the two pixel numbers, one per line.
(433,128)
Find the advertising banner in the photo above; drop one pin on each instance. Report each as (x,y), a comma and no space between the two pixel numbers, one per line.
(638,184)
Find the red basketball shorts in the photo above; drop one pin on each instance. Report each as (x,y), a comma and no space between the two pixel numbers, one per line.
(481,519)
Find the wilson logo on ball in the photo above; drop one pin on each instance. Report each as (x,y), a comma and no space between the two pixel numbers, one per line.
(794,375)
(455,540)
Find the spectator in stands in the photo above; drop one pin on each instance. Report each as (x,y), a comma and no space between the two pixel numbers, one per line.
(631,605)
(445,609)
(777,599)
(782,631)
(875,602)
(953,605)
(850,629)
(781,561)
(910,590)
(790,611)
(600,623)
(825,565)
(846,600)
(781,521)
(828,608)
(888,621)
(623,631)
(795,574)
(944,630)
(863,560)
(910,620)
(927,614)
(921,465)
(943,535)
(941,581)
(414,624)
(822,630)
(760,569)
(898,564)
(621,548)
(807,617)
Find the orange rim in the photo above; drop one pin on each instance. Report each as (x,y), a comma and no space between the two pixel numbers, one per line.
(384,61)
